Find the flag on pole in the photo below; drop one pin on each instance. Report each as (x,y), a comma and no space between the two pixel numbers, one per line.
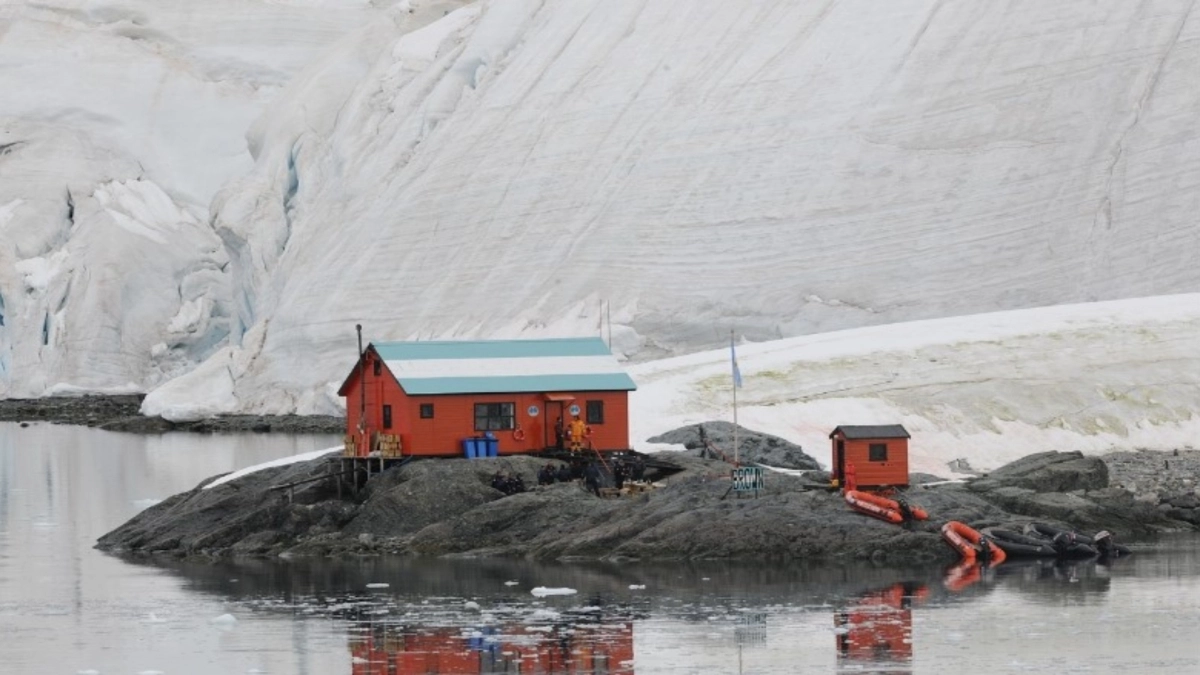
(737,373)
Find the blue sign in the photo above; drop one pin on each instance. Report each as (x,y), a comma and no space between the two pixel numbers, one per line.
(574,409)
(748,478)
(533,411)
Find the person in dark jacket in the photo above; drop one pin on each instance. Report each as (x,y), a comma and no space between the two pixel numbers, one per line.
(591,478)
(546,475)
(639,469)
(564,474)
(619,473)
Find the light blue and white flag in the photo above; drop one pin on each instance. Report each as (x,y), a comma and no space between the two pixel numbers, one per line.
(737,373)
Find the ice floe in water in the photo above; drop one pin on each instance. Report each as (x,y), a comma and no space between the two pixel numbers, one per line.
(637,587)
(378,585)
(542,591)
(471,604)
(512,583)
(224,620)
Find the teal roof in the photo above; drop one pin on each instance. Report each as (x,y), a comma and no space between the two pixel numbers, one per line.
(490,349)
(504,366)
(517,384)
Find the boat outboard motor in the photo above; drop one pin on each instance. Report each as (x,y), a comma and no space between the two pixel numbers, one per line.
(1062,542)
(1107,547)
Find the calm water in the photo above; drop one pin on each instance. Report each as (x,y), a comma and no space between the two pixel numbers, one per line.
(65,608)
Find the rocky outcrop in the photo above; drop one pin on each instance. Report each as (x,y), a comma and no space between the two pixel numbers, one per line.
(447,507)
(1047,472)
(753,447)
(1167,481)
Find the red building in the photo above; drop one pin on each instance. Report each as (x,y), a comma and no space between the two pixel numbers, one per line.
(879,455)
(425,398)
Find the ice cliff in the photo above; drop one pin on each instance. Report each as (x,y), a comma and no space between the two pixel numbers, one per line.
(498,168)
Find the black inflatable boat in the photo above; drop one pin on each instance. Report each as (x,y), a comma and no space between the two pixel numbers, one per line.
(1100,544)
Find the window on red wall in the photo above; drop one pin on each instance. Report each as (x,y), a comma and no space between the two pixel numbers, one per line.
(377,368)
(426,411)
(595,412)
(387,417)
(877,452)
(495,416)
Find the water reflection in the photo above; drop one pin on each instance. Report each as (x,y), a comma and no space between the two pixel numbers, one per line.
(65,607)
(1049,581)
(874,631)
(390,649)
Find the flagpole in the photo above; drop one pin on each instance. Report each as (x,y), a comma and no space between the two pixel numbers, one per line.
(735,423)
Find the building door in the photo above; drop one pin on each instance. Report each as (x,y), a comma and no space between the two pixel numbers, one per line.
(841,462)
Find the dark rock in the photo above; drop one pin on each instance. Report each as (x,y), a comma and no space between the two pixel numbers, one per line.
(447,507)
(1188,501)
(753,447)
(1047,472)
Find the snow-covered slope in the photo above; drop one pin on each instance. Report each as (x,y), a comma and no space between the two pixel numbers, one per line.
(784,167)
(778,167)
(118,122)
(987,388)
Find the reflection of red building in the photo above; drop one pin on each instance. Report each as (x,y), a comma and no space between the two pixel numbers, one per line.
(876,631)
(396,650)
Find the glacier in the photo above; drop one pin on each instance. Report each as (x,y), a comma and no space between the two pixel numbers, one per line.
(506,168)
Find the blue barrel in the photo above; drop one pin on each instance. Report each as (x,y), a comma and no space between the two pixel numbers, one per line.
(470,450)
(493,446)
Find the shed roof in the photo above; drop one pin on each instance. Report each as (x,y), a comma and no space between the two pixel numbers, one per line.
(857,432)
(504,366)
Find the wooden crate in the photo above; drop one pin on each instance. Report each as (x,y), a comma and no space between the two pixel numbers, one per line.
(389,445)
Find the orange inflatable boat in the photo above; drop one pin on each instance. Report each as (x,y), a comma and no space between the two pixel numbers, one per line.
(891,510)
(970,544)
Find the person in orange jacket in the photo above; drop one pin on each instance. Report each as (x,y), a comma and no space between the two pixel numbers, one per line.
(578,430)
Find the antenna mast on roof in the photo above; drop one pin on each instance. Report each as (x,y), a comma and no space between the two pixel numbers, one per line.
(608,317)
(362,382)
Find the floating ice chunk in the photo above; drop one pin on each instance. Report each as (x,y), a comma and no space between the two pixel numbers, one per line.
(542,591)
(512,583)
(543,614)
(471,604)
(224,620)
(378,585)
(637,587)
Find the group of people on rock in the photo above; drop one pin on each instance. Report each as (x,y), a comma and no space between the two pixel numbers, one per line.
(634,469)
(591,473)
(549,474)
(508,483)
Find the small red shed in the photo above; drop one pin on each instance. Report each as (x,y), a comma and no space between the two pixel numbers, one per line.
(425,398)
(879,454)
